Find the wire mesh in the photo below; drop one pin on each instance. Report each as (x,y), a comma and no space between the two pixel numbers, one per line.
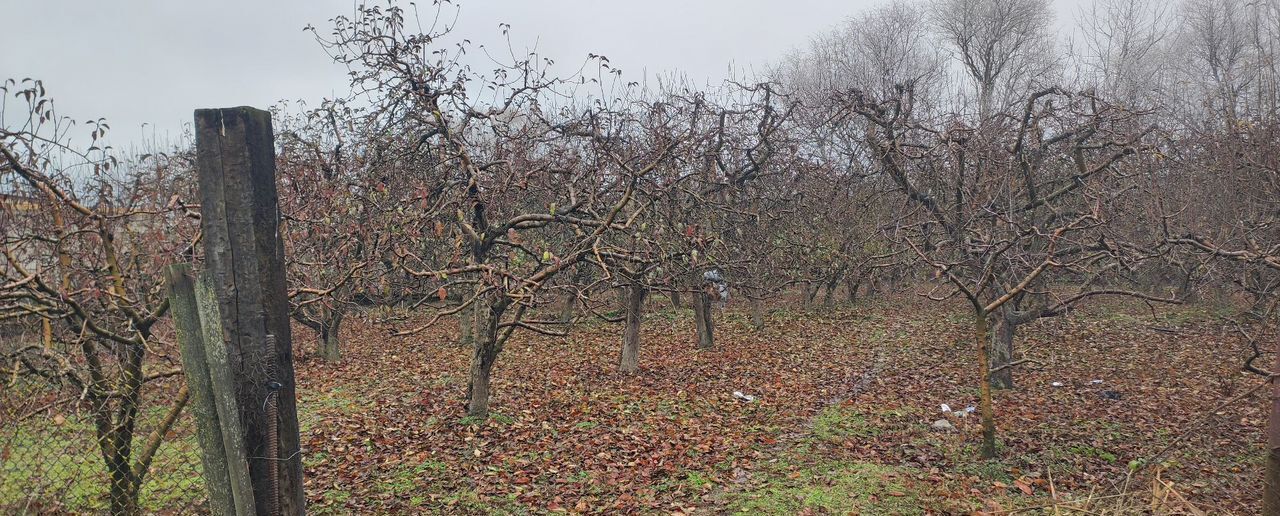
(54,452)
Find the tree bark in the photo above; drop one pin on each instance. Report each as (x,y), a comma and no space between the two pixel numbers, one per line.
(854,283)
(702,319)
(984,386)
(123,494)
(466,326)
(485,353)
(330,344)
(675,299)
(115,434)
(832,283)
(629,362)
(757,314)
(1271,482)
(1002,353)
(568,307)
(1271,485)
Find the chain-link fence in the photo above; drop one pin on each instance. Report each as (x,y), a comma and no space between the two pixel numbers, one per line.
(53,461)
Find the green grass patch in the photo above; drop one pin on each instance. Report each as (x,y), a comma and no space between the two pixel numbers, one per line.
(313,407)
(838,422)
(48,461)
(834,487)
(401,480)
(1085,450)
(334,500)
(697,480)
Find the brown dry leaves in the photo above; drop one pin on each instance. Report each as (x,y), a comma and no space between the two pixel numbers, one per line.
(384,430)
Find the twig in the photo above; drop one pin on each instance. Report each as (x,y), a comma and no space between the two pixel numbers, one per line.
(1017,363)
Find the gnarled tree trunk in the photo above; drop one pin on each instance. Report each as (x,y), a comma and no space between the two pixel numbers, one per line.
(466,326)
(702,319)
(757,314)
(1271,480)
(330,348)
(854,283)
(568,307)
(629,362)
(485,352)
(811,293)
(1002,352)
(832,283)
(985,409)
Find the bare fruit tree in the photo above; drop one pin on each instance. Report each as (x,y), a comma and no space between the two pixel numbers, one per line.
(520,188)
(998,215)
(85,237)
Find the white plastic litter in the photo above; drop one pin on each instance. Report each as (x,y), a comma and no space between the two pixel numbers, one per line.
(744,397)
(946,408)
(965,413)
(1056,384)
(1095,382)
(715,277)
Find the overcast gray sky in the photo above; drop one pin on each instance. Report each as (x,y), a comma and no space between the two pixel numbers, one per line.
(152,62)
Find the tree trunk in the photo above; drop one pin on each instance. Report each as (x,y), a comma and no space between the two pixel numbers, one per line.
(630,359)
(114,427)
(486,350)
(834,282)
(702,319)
(1186,287)
(568,307)
(123,495)
(1271,482)
(984,387)
(675,299)
(854,283)
(46,332)
(894,281)
(986,92)
(330,349)
(466,325)
(757,314)
(1002,353)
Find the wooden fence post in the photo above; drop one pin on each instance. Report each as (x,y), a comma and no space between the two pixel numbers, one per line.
(213,398)
(244,262)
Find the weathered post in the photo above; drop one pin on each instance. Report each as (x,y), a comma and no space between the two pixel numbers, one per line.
(213,398)
(244,262)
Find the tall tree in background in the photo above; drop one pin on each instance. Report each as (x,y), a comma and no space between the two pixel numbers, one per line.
(1001,44)
(1123,49)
